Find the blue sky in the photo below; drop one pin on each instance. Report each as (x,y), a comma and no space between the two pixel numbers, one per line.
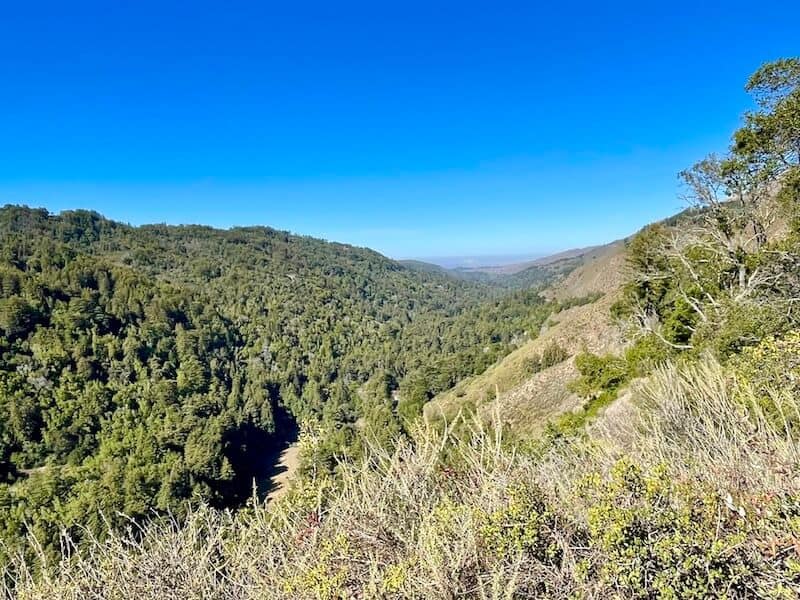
(418,129)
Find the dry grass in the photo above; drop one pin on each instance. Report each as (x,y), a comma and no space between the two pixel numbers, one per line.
(442,516)
(700,422)
(528,401)
(602,271)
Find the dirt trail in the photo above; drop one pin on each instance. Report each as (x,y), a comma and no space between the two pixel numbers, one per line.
(285,469)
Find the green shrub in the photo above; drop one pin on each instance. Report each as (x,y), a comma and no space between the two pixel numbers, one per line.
(646,353)
(771,371)
(599,374)
(524,524)
(662,539)
(743,325)
(551,355)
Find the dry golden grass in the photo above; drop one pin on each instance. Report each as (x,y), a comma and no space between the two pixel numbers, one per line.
(451,516)
(527,401)
(602,272)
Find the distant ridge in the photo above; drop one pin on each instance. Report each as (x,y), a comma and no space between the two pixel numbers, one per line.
(505,269)
(543,261)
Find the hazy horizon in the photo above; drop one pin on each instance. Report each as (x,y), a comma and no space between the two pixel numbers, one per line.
(480,260)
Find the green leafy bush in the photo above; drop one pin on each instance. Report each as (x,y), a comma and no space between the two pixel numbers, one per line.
(599,374)
(523,524)
(662,539)
(771,371)
(646,353)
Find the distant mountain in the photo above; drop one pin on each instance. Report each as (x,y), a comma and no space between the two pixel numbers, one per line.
(512,268)
(425,267)
(431,268)
(478,261)
(539,272)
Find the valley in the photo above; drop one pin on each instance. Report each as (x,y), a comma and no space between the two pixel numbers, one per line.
(149,369)
(198,412)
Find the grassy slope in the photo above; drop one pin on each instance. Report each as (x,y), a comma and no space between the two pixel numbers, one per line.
(526,401)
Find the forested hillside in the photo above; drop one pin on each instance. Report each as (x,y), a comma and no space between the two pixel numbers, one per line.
(148,369)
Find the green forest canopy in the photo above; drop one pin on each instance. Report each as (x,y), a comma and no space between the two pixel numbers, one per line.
(149,368)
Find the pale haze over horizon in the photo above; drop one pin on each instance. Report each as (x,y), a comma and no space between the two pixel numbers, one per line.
(418,131)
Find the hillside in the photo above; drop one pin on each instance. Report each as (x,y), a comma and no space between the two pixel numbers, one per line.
(484,518)
(150,368)
(538,275)
(530,396)
(601,271)
(517,267)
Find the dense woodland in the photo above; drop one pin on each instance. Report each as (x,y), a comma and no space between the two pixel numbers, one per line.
(149,369)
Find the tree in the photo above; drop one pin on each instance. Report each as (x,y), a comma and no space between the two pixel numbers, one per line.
(17,317)
(720,261)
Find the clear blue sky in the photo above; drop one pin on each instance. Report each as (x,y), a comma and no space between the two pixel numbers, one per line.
(419,129)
